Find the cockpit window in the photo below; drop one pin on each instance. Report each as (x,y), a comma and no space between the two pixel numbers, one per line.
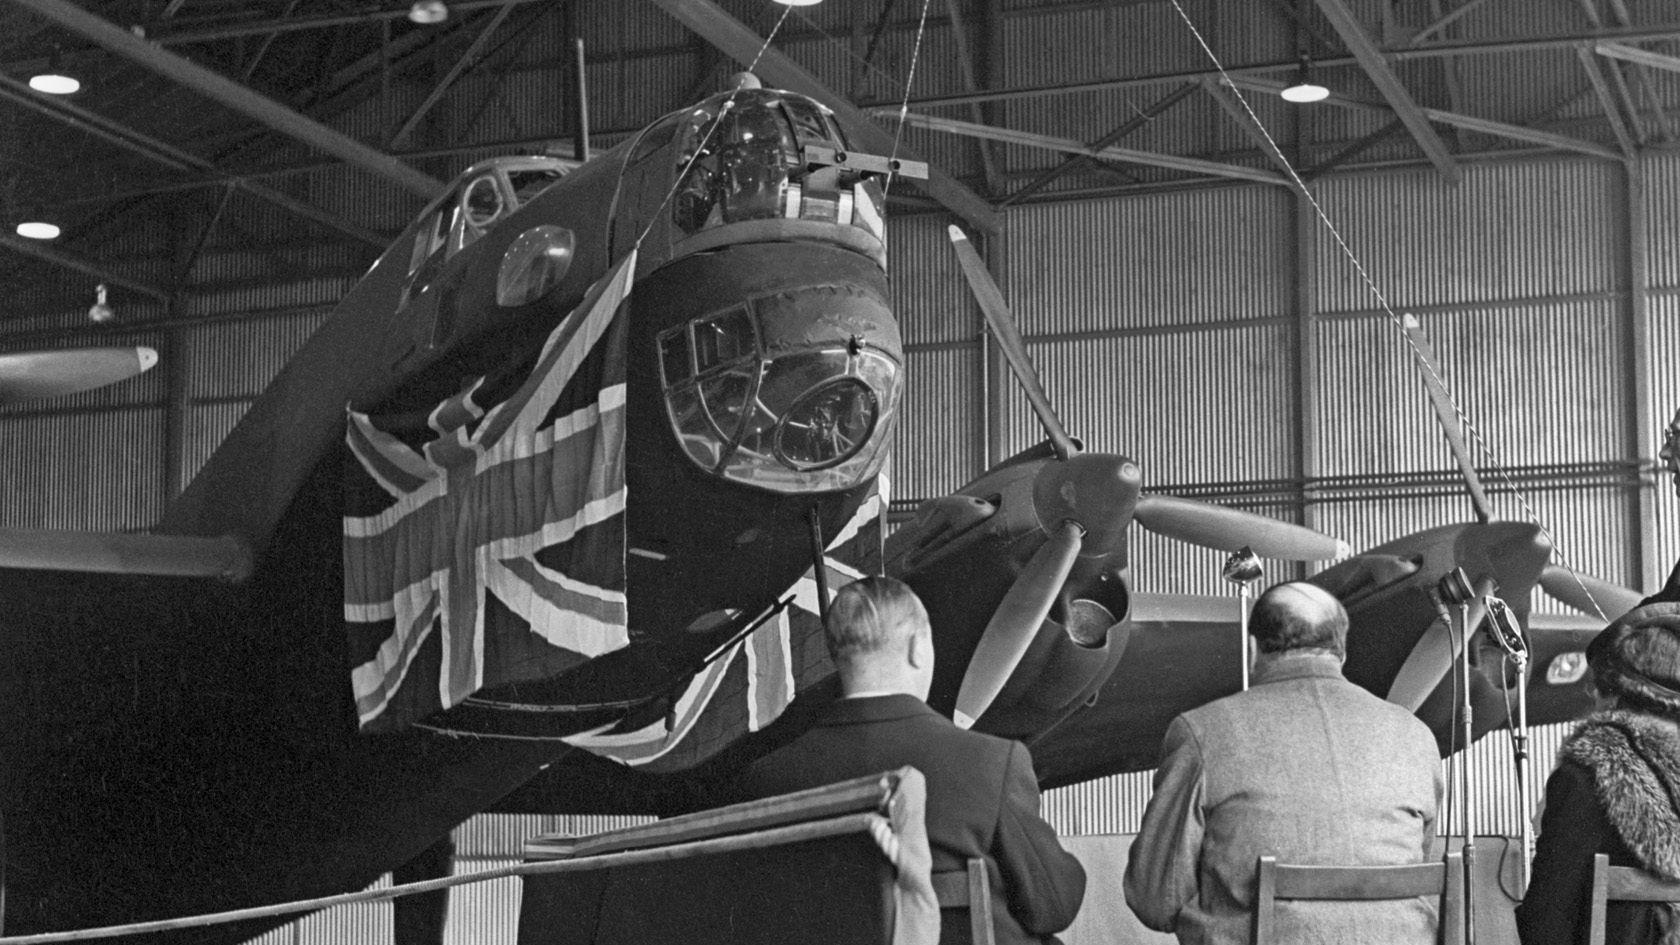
(484,202)
(529,183)
(810,125)
(738,163)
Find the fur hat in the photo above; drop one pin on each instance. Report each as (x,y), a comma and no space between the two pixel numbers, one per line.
(1637,658)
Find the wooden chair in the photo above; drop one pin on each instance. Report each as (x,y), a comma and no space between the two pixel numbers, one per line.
(971,890)
(1626,884)
(1359,883)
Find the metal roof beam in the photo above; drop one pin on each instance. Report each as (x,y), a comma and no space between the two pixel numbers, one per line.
(87,266)
(1130,125)
(1371,60)
(1250,129)
(1644,57)
(133,141)
(1432,51)
(466,58)
(231,94)
(738,42)
(1607,101)
(1111,153)
(1468,122)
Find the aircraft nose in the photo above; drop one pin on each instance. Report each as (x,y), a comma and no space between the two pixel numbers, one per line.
(1096,490)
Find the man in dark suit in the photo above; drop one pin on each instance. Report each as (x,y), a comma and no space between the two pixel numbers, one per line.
(982,796)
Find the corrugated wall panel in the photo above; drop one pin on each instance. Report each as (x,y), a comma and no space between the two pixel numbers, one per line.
(362,922)
(484,913)
(1541,383)
(1160,259)
(1660,403)
(97,471)
(497,835)
(1511,230)
(1662,218)
(239,359)
(1190,407)
(1107,805)
(930,298)
(203,428)
(938,445)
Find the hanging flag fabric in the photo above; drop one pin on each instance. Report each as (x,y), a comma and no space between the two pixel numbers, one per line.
(484,543)
(751,683)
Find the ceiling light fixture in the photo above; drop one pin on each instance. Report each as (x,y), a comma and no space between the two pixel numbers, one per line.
(798,3)
(53,80)
(428,12)
(101,310)
(1303,90)
(38,230)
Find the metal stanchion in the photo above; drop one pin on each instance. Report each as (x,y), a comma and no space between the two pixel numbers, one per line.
(1242,568)
(1454,588)
(1503,626)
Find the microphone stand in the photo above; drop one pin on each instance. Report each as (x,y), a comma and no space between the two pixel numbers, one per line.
(1242,568)
(1503,627)
(1454,588)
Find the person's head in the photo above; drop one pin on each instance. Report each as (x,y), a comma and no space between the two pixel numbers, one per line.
(1636,660)
(878,634)
(1297,617)
(1670,454)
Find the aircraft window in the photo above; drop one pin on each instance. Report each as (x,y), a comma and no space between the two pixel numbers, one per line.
(673,355)
(724,338)
(535,262)
(740,170)
(727,397)
(484,202)
(827,425)
(529,183)
(811,126)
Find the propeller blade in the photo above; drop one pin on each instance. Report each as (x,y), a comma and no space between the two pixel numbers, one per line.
(1215,526)
(1009,340)
(1587,594)
(1444,412)
(1432,658)
(28,375)
(1018,618)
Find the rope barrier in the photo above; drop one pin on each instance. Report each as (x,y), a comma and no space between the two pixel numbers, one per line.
(851,823)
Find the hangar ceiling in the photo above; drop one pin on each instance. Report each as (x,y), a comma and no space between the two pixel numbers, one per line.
(305,133)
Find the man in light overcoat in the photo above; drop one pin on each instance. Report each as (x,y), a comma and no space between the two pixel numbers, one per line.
(1306,767)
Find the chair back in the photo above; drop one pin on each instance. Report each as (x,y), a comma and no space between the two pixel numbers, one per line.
(971,890)
(1359,883)
(1623,884)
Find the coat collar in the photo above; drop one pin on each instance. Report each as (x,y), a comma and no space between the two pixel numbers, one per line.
(1315,664)
(1635,762)
(874,709)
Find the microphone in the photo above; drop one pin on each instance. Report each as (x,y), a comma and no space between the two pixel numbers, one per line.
(1502,626)
(1454,587)
(1242,567)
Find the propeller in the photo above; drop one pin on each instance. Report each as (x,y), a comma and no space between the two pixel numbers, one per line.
(28,375)
(1016,622)
(1432,658)
(1588,594)
(1448,416)
(1215,526)
(1198,523)
(1002,323)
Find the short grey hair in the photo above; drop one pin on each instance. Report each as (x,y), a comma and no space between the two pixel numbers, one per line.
(872,615)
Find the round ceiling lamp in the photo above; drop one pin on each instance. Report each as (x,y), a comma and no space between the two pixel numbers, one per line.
(1303,90)
(53,82)
(428,12)
(798,3)
(38,230)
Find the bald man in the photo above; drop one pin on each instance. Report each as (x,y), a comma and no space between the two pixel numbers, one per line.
(1304,766)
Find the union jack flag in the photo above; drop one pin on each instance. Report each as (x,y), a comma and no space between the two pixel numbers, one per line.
(751,683)
(486,546)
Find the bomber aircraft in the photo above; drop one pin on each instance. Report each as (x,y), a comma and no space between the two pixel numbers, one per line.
(565,476)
